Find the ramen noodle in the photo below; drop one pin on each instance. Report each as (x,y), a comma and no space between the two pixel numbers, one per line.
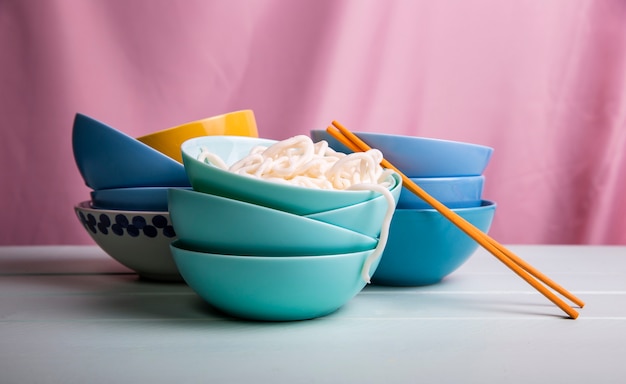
(298,161)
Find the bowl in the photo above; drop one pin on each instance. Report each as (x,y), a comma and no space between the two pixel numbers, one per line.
(273,288)
(453,192)
(136,239)
(131,199)
(421,156)
(423,246)
(365,217)
(168,141)
(207,178)
(107,158)
(216,224)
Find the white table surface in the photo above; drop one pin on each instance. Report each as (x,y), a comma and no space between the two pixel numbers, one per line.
(70,314)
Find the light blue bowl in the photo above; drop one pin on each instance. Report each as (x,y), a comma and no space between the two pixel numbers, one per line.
(366,217)
(218,224)
(424,247)
(107,158)
(131,199)
(421,156)
(208,178)
(453,192)
(273,288)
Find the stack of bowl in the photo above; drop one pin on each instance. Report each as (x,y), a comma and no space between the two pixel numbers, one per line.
(423,246)
(262,250)
(127,214)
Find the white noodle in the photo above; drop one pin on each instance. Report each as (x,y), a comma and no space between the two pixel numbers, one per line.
(299,161)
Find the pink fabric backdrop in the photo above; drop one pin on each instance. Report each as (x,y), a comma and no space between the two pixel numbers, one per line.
(543,82)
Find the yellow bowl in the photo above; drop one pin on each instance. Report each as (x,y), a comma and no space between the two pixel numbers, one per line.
(168,141)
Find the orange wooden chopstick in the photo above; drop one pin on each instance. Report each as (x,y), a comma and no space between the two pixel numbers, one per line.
(519,266)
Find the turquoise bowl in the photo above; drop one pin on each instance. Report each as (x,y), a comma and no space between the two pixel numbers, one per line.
(216,224)
(424,247)
(273,288)
(366,217)
(107,158)
(207,178)
(421,156)
(131,199)
(453,192)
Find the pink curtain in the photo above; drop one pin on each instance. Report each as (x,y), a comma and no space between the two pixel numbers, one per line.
(542,82)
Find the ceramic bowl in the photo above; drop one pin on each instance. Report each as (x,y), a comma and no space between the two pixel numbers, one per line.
(421,156)
(453,192)
(207,178)
(216,224)
(168,141)
(365,217)
(107,158)
(138,240)
(273,288)
(131,199)
(424,247)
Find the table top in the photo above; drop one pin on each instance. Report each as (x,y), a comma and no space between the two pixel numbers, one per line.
(71,314)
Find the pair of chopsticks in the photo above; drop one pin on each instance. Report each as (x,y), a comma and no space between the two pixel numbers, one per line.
(519,266)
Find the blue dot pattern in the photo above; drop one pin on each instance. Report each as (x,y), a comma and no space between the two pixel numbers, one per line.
(121,225)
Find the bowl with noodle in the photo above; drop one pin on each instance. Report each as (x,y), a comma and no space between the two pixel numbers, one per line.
(260,171)
(273,288)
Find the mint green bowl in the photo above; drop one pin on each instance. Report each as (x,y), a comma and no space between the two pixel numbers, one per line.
(273,288)
(366,217)
(207,178)
(212,223)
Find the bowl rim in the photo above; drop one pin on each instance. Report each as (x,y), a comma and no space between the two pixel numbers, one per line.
(286,259)
(484,205)
(86,206)
(179,126)
(415,138)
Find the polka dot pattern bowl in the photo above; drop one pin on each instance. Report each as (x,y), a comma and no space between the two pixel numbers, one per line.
(137,239)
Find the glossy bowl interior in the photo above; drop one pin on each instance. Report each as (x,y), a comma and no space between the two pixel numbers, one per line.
(216,224)
(421,156)
(207,178)
(273,288)
(453,192)
(366,217)
(168,141)
(107,158)
(131,199)
(424,247)
(138,240)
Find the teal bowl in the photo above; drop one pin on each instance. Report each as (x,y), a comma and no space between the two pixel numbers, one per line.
(216,224)
(107,158)
(453,192)
(273,288)
(424,247)
(207,178)
(421,156)
(366,217)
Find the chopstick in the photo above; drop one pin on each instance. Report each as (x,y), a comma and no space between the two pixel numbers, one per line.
(515,263)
